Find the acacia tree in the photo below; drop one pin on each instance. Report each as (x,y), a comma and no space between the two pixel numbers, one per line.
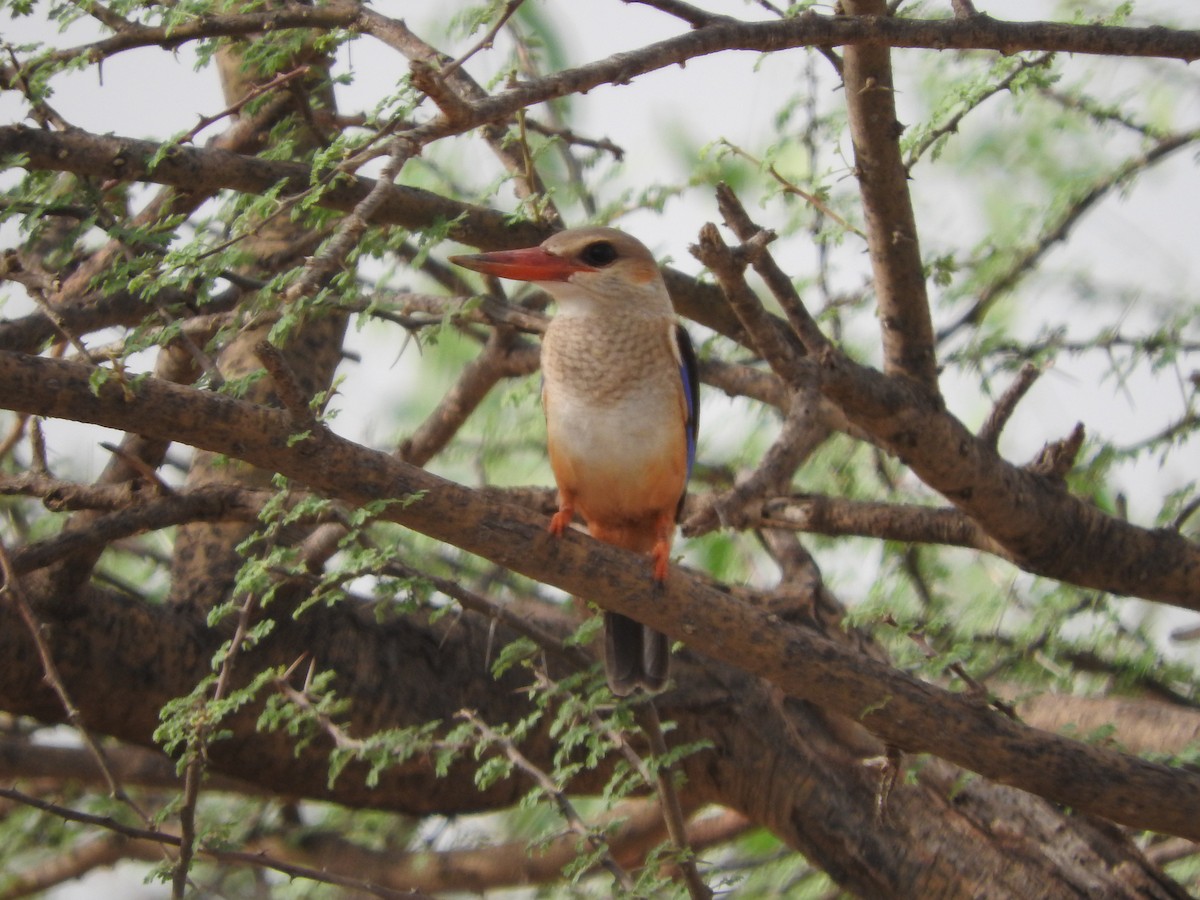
(293,660)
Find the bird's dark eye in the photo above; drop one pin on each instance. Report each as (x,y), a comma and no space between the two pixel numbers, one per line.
(599,254)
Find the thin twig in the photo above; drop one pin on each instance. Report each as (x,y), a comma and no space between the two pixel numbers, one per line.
(12,587)
(211,503)
(990,431)
(139,466)
(790,187)
(193,772)
(1186,513)
(332,256)
(694,16)
(567,136)
(458,97)
(802,433)
(522,624)
(565,808)
(259,860)
(1026,260)
(485,43)
(45,114)
(287,386)
(1096,111)
(197,751)
(950,126)
(499,360)
(255,91)
(672,810)
(777,281)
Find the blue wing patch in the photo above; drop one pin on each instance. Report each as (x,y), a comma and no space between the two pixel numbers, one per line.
(689,374)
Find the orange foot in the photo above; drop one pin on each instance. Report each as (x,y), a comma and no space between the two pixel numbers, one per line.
(664,530)
(561,520)
(662,558)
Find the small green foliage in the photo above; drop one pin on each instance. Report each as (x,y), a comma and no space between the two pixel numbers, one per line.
(97,378)
(194,720)
(491,770)
(874,707)
(586,632)
(512,654)
(383,750)
(941,269)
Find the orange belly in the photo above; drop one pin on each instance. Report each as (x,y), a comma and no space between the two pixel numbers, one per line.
(623,474)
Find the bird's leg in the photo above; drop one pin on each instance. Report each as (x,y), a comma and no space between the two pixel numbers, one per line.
(664,531)
(561,520)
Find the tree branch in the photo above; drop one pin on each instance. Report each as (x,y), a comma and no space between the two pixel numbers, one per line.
(228,856)
(209,170)
(899,276)
(1059,228)
(886,521)
(901,710)
(1042,527)
(980,32)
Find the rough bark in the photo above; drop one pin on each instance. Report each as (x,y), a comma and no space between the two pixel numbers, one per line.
(904,711)
(809,776)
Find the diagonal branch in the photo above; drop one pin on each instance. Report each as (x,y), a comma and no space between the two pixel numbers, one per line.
(209,170)
(15,593)
(575,822)
(1059,228)
(1043,527)
(900,709)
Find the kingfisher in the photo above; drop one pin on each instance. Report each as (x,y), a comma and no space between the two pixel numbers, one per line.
(620,392)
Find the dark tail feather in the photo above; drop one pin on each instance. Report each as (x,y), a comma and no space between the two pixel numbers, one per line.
(656,659)
(634,655)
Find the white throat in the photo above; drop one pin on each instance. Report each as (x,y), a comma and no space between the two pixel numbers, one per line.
(649,299)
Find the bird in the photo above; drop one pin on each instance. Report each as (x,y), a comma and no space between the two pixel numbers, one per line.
(620,393)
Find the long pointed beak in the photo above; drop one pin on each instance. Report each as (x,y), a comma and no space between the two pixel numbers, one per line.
(532,264)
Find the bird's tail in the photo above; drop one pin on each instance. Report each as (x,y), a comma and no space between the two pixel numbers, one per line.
(634,655)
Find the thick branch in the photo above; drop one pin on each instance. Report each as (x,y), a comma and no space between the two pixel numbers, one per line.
(132,766)
(1033,517)
(209,170)
(900,709)
(981,33)
(899,275)
(810,30)
(635,827)
(886,521)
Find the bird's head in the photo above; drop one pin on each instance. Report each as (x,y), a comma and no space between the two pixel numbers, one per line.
(586,270)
